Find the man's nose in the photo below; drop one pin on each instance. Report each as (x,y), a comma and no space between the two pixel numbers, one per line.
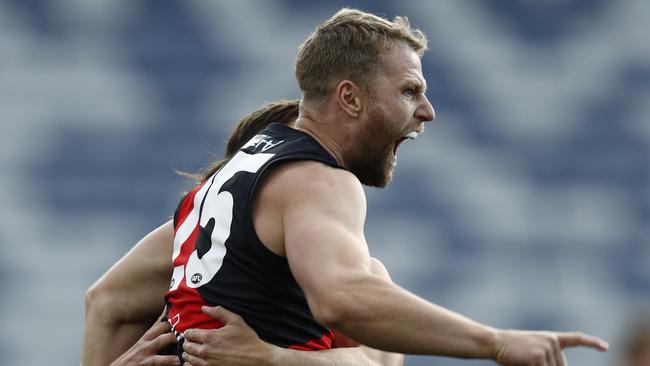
(425,112)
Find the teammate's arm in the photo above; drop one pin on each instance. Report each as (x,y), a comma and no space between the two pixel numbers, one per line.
(323,222)
(128,298)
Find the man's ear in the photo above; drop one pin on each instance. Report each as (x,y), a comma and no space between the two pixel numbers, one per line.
(349,98)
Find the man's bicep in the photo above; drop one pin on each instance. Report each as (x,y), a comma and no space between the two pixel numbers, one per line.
(319,246)
(323,234)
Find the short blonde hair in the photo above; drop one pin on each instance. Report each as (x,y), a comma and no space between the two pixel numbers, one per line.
(350,45)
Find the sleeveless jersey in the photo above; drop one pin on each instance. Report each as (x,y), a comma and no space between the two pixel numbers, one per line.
(219,260)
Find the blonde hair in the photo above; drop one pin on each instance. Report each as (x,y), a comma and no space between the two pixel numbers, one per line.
(350,45)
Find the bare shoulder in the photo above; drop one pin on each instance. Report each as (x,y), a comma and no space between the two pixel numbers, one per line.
(314,181)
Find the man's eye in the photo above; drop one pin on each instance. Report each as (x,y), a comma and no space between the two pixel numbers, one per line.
(409,92)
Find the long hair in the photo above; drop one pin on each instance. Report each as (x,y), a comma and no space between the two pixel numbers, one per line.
(282,111)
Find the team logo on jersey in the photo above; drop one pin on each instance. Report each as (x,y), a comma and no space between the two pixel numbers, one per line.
(196,278)
(264,142)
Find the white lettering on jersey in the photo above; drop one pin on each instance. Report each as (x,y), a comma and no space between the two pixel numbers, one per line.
(259,140)
(217,207)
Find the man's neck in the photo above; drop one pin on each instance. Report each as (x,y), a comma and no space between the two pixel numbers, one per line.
(325,132)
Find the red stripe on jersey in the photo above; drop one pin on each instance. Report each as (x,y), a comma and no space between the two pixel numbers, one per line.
(343,341)
(324,342)
(186,300)
(186,206)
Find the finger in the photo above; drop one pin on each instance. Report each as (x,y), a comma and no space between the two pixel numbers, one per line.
(580,339)
(221,314)
(192,359)
(163,315)
(164,340)
(157,329)
(191,347)
(164,361)
(196,335)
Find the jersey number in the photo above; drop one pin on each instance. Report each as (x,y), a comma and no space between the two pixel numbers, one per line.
(214,218)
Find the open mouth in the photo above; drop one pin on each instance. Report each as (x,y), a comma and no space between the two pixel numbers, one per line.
(411,135)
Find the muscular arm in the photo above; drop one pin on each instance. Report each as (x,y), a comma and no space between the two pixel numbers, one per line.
(378,357)
(128,298)
(323,222)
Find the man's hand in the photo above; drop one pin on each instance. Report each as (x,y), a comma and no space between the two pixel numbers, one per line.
(145,351)
(516,348)
(234,344)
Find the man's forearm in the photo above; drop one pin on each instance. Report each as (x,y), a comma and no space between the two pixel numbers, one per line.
(128,298)
(111,327)
(383,358)
(354,356)
(105,341)
(382,315)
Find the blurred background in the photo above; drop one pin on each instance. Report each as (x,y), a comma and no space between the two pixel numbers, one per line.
(525,205)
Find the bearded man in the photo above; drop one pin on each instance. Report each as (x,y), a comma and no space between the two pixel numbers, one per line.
(276,235)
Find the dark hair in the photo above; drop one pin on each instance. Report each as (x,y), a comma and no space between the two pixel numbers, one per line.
(282,111)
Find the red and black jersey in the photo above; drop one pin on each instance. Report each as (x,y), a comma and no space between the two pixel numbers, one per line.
(219,260)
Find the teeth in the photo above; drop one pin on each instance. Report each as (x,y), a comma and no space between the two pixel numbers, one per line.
(412,135)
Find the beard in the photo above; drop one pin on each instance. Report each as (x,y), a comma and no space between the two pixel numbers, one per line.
(372,160)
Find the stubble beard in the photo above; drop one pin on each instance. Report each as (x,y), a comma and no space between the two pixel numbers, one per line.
(372,162)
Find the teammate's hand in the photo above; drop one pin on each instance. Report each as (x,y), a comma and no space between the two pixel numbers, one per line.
(515,348)
(145,351)
(234,344)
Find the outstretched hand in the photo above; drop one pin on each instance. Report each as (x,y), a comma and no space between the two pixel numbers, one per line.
(234,344)
(145,350)
(516,348)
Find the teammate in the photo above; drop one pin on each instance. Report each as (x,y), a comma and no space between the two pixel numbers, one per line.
(277,234)
(129,297)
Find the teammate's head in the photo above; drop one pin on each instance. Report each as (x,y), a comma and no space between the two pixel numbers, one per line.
(283,111)
(365,71)
(350,45)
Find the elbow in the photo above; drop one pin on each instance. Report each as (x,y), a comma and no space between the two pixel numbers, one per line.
(98,301)
(93,298)
(327,316)
(333,311)
(343,302)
